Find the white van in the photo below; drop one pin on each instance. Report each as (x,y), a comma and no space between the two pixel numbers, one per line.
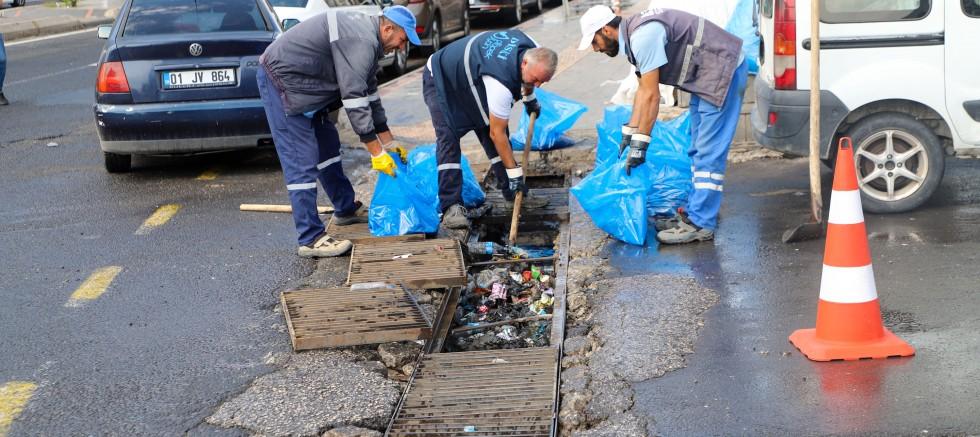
(900,77)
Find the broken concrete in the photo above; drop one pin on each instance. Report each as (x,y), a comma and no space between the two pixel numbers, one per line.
(397,355)
(313,392)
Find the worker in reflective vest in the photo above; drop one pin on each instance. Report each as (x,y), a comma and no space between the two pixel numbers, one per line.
(684,50)
(471,85)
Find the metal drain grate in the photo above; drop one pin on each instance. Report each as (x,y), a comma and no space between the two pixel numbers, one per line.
(556,209)
(360,233)
(416,264)
(485,393)
(333,317)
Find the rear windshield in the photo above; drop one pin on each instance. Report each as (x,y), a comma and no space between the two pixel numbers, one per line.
(867,11)
(156,17)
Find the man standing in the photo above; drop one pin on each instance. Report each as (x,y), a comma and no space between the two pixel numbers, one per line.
(323,63)
(3,71)
(471,85)
(677,48)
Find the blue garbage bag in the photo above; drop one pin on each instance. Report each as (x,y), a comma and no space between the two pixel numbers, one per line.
(617,202)
(610,132)
(422,166)
(400,205)
(743,24)
(558,115)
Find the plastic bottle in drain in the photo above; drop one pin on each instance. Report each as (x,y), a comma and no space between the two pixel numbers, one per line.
(486,248)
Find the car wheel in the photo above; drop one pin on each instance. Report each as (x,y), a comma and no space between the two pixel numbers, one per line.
(466,22)
(435,35)
(899,162)
(540,6)
(116,163)
(517,15)
(400,66)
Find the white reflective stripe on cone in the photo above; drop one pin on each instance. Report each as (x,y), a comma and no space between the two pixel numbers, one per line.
(294,187)
(848,284)
(845,208)
(328,163)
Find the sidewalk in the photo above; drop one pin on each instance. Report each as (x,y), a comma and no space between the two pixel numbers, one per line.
(52,18)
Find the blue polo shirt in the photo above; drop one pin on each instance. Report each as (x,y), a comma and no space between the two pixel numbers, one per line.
(649,43)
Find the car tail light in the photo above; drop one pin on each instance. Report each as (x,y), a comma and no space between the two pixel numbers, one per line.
(419,29)
(784,47)
(773,118)
(112,78)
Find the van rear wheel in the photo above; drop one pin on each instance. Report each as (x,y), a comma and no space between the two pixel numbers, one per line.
(899,162)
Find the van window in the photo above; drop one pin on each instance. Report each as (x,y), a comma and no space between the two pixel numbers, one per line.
(157,17)
(971,8)
(867,11)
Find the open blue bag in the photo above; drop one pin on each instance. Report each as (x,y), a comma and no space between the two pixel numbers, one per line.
(617,202)
(558,115)
(400,205)
(610,133)
(743,25)
(422,166)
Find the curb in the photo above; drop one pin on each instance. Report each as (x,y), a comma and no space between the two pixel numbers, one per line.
(51,26)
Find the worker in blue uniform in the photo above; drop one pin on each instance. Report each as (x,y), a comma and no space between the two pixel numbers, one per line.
(689,52)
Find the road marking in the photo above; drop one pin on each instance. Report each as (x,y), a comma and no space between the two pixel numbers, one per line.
(14,396)
(49,75)
(209,175)
(159,217)
(93,287)
(43,38)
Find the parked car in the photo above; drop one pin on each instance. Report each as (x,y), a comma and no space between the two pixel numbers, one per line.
(898,77)
(439,21)
(13,3)
(292,12)
(178,77)
(513,10)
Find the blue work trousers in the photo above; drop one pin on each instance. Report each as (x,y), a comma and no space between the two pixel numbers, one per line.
(309,150)
(712,131)
(3,62)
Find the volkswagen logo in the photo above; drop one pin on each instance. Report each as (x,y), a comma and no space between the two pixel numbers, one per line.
(196,49)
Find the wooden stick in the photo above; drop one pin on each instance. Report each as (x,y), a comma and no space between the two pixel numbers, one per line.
(262,207)
(513,261)
(519,196)
(816,195)
(501,323)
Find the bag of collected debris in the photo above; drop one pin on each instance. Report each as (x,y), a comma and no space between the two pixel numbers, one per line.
(400,205)
(617,202)
(422,166)
(558,115)
(610,132)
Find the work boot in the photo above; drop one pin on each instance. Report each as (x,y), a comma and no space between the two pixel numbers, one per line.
(324,246)
(358,216)
(455,218)
(664,223)
(684,232)
(3,100)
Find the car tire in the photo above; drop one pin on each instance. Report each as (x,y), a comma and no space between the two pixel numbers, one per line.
(400,66)
(435,35)
(517,14)
(19,2)
(902,176)
(116,163)
(539,6)
(466,22)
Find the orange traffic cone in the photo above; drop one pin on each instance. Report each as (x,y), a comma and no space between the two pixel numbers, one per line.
(848,316)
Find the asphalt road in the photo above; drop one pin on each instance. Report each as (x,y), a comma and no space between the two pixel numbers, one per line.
(187,317)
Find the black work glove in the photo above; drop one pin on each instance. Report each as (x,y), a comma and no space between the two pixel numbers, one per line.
(627,137)
(638,151)
(531,105)
(515,181)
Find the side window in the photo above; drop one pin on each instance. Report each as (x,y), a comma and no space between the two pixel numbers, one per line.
(869,11)
(971,8)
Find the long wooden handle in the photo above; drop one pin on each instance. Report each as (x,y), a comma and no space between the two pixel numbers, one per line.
(261,207)
(816,195)
(519,196)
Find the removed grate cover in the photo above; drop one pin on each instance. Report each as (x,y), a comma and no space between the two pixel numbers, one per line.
(365,314)
(359,233)
(415,264)
(500,392)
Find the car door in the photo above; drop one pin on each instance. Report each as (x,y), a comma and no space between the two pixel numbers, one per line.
(452,14)
(962,67)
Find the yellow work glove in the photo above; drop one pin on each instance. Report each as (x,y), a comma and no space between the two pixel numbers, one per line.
(384,164)
(394,147)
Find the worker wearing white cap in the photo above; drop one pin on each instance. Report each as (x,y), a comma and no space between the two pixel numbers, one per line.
(677,48)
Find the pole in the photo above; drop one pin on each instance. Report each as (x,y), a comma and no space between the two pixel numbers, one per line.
(816,196)
(519,196)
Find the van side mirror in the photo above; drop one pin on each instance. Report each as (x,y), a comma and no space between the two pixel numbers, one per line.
(104,31)
(289,23)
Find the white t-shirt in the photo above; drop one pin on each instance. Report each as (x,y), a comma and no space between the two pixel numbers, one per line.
(499,99)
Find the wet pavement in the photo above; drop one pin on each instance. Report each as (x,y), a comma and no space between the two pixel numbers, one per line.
(745,377)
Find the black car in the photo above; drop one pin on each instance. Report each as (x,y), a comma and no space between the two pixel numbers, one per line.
(178,77)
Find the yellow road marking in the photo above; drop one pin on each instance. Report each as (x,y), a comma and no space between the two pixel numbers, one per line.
(208,175)
(162,215)
(14,396)
(94,286)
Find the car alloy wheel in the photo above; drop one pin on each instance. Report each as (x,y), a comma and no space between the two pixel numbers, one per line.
(436,34)
(466,22)
(518,15)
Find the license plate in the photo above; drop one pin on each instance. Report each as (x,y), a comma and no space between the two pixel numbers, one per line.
(199,78)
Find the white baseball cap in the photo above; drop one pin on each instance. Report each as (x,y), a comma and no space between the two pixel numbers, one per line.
(593,20)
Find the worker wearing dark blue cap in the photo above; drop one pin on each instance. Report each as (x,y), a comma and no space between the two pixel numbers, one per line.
(322,64)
